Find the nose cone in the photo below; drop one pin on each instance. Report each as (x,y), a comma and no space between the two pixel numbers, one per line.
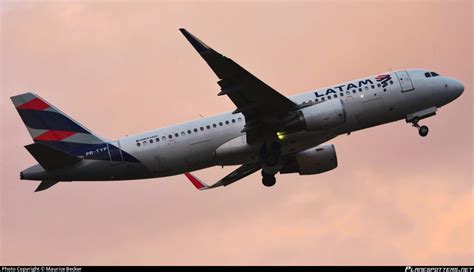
(454,88)
(458,88)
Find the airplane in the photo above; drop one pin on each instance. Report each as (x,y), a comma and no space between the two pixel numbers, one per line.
(267,131)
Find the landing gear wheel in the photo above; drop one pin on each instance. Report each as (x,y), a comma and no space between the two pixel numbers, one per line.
(268,180)
(423,131)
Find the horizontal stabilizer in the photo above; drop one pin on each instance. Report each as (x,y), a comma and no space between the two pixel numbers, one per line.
(49,157)
(45,184)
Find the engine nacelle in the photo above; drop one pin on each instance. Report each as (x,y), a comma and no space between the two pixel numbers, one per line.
(312,161)
(321,116)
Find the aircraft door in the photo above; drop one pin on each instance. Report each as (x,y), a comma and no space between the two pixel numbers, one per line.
(405,81)
(115,152)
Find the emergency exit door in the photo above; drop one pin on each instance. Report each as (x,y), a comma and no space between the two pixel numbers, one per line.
(405,81)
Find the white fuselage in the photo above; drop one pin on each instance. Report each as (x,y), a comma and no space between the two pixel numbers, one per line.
(192,145)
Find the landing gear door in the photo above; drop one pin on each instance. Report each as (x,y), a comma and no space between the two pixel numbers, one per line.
(405,81)
(115,152)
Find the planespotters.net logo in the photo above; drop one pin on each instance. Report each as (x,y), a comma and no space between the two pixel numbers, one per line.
(439,269)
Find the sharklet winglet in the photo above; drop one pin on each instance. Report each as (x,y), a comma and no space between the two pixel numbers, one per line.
(200,185)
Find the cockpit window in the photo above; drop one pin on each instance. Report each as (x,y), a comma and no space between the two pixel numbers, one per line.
(431,74)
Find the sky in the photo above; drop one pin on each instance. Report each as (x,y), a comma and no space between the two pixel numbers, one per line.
(123,67)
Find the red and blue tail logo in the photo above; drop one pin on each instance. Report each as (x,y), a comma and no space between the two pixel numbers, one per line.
(48,125)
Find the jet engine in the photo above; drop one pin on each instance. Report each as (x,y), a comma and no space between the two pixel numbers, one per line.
(312,161)
(321,116)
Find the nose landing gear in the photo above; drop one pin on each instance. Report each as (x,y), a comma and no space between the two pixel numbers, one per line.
(422,130)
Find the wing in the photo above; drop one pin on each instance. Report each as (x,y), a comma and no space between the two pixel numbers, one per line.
(261,105)
(237,174)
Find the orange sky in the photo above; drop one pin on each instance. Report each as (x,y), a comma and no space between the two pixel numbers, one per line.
(123,67)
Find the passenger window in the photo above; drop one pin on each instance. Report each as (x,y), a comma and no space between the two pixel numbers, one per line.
(201,128)
(354,91)
(322,99)
(195,130)
(157,139)
(189,131)
(163,138)
(208,127)
(329,97)
(182,133)
(138,144)
(317,100)
(233,120)
(341,94)
(378,85)
(226,122)
(151,141)
(176,135)
(170,136)
(391,82)
(214,125)
(239,119)
(348,93)
(144,142)
(366,88)
(335,96)
(220,124)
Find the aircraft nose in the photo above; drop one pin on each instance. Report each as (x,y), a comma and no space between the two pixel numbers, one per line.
(457,88)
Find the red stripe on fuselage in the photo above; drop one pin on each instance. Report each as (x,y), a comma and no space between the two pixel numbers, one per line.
(54,135)
(34,104)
